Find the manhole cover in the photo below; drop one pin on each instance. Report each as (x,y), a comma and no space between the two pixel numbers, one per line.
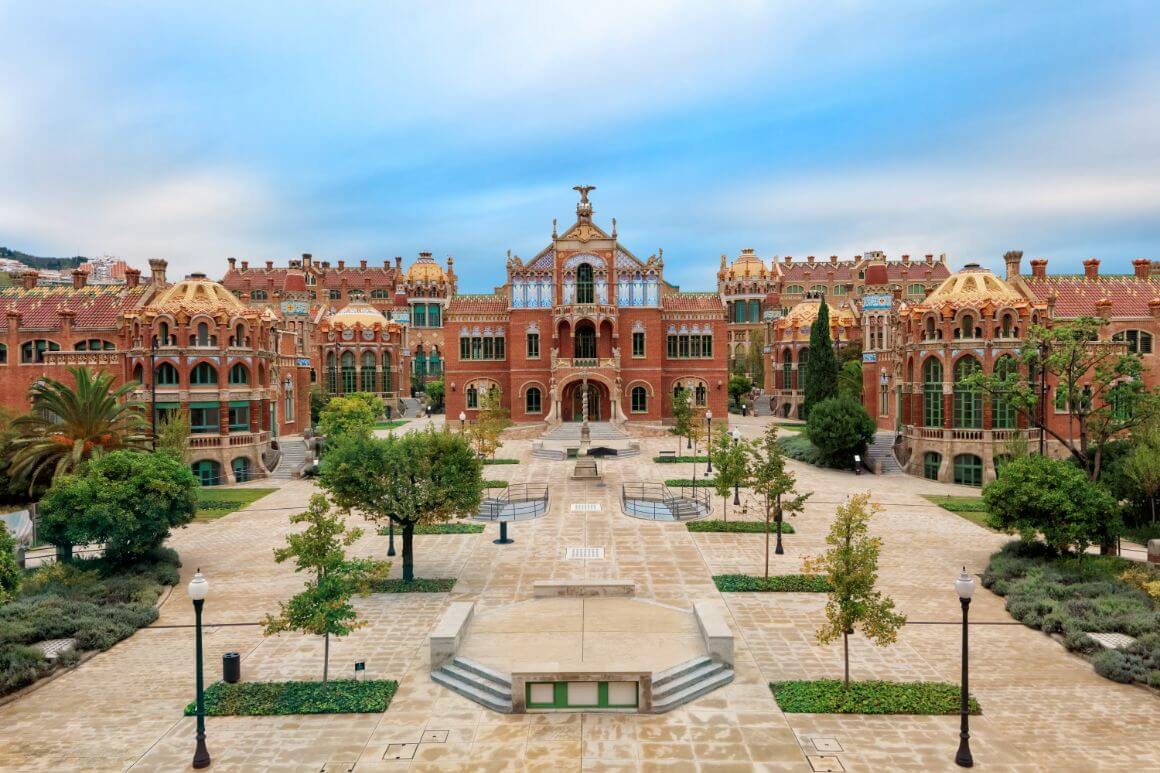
(582,553)
(400,751)
(586,507)
(825,764)
(1112,641)
(434,736)
(827,745)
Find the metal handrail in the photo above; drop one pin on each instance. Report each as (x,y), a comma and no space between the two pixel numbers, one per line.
(519,501)
(657,499)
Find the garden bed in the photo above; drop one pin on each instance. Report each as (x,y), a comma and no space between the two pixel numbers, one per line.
(418,585)
(690,483)
(1069,597)
(777,583)
(501,461)
(739,527)
(262,699)
(974,509)
(440,528)
(680,459)
(831,696)
(214,503)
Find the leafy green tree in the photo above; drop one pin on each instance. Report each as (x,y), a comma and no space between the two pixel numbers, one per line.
(1054,497)
(345,416)
(1100,386)
(850,380)
(731,465)
(128,501)
(739,386)
(318,401)
(840,428)
(486,432)
(71,423)
(173,433)
(851,567)
(374,402)
(323,607)
(682,408)
(419,477)
(9,570)
(774,484)
(435,393)
(13,490)
(1142,468)
(755,357)
(821,376)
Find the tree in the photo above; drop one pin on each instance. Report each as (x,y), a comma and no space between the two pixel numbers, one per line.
(126,500)
(840,428)
(682,409)
(755,357)
(821,376)
(435,393)
(731,463)
(13,490)
(323,607)
(851,568)
(486,432)
(173,433)
(419,477)
(1097,383)
(345,416)
(373,401)
(318,401)
(850,380)
(774,484)
(70,424)
(1142,468)
(9,570)
(739,386)
(1038,494)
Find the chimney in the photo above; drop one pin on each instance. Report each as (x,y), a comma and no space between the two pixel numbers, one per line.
(157,268)
(1039,268)
(834,259)
(398,263)
(905,258)
(132,278)
(245,265)
(80,278)
(307,259)
(930,259)
(1142,267)
(788,259)
(942,257)
(1091,268)
(1013,259)
(810,259)
(342,264)
(326,264)
(232,261)
(362,264)
(269,264)
(28,279)
(1154,308)
(1104,308)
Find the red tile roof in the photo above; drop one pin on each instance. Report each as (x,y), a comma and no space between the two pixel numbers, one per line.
(94,307)
(1076,296)
(675,301)
(357,278)
(818,271)
(478,304)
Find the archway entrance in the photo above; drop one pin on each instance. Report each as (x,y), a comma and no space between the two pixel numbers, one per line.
(599,407)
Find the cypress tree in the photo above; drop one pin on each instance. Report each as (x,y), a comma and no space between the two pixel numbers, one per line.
(821,379)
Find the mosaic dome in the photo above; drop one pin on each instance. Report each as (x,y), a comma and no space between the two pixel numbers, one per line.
(425,269)
(358,313)
(747,265)
(196,294)
(804,314)
(972,285)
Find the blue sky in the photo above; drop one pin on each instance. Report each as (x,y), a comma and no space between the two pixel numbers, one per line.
(368,130)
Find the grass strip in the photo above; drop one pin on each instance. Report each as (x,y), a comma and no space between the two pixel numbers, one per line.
(739,527)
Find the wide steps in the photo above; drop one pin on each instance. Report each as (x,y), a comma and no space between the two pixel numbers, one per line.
(548,453)
(882,451)
(687,682)
(477,683)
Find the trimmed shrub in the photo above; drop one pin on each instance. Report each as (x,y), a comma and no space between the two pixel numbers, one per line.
(830,696)
(840,428)
(256,699)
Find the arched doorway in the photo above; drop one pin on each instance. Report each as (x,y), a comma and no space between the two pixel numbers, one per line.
(599,405)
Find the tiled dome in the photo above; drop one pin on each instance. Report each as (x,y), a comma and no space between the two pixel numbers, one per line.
(972,285)
(425,269)
(358,313)
(197,294)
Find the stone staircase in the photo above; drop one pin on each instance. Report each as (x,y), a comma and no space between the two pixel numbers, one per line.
(476,682)
(292,458)
(569,433)
(549,453)
(880,454)
(688,681)
(409,407)
(761,406)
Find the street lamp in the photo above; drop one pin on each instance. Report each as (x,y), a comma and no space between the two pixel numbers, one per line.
(198,590)
(462,422)
(153,387)
(709,440)
(965,586)
(689,437)
(390,537)
(736,486)
(778,549)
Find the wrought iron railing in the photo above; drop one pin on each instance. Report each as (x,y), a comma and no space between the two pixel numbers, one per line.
(517,502)
(658,502)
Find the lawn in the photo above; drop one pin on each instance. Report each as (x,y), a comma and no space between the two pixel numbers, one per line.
(390,424)
(260,699)
(739,527)
(439,528)
(679,459)
(418,585)
(213,503)
(971,508)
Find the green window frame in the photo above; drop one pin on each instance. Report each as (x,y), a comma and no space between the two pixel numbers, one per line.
(32,352)
(472,397)
(239,416)
(434,314)
(585,284)
(560,697)
(968,401)
(638,343)
(1003,413)
(639,399)
(418,315)
(204,418)
(931,462)
(207,472)
(166,374)
(671,346)
(533,346)
(533,401)
(968,470)
(239,374)
(203,374)
(243,471)
(794,290)
(932,393)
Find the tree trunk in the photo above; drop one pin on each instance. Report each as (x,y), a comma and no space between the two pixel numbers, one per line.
(64,553)
(846,657)
(767,545)
(1153,501)
(408,554)
(325,657)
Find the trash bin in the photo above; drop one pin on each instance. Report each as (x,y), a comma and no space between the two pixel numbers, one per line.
(231,667)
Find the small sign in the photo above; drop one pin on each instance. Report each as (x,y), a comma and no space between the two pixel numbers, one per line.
(402,317)
(406,352)
(302,362)
(360,670)
(877,302)
(869,356)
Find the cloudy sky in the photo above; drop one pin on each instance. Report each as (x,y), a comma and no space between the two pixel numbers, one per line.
(197,131)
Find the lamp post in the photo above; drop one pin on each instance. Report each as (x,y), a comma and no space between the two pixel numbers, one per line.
(736,486)
(965,586)
(689,438)
(1042,398)
(462,422)
(153,388)
(198,590)
(709,441)
(778,549)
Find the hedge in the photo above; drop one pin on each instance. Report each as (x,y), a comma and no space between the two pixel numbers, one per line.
(690,483)
(441,528)
(679,459)
(501,461)
(259,699)
(778,583)
(830,696)
(418,585)
(739,527)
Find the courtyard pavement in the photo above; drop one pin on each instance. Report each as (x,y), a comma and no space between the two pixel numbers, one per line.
(1043,709)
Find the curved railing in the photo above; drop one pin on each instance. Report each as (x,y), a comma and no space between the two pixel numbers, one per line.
(518,502)
(658,502)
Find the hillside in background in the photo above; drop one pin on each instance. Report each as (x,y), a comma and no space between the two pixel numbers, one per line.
(32,261)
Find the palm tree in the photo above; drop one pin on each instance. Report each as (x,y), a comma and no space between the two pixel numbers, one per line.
(70,424)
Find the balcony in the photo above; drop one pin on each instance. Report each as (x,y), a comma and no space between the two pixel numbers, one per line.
(106,358)
(232,440)
(585,362)
(978,435)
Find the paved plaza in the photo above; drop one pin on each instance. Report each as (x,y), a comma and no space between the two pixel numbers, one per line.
(1043,709)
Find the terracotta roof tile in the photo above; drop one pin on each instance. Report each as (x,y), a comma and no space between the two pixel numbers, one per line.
(818,271)
(94,307)
(356,277)
(693,302)
(478,304)
(1076,296)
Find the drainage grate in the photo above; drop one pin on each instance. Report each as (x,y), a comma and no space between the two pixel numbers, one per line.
(582,553)
(586,507)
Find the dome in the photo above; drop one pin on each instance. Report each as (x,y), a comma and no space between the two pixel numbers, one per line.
(747,265)
(804,314)
(197,294)
(972,285)
(358,313)
(425,269)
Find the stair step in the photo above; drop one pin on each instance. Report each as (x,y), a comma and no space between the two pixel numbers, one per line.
(485,671)
(478,682)
(471,692)
(682,683)
(694,691)
(679,670)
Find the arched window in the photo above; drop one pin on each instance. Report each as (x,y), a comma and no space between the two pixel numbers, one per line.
(472,397)
(585,284)
(348,373)
(932,393)
(335,295)
(931,462)
(207,472)
(258,295)
(966,327)
(139,373)
(700,395)
(434,363)
(331,373)
(968,470)
(367,374)
(203,337)
(1002,411)
(1139,341)
(203,374)
(239,374)
(968,401)
(166,374)
(94,345)
(242,469)
(930,329)
(163,334)
(386,371)
(532,400)
(419,368)
(585,340)
(639,399)
(787,369)
(33,351)
(915,289)
(793,290)
(1007,326)
(239,336)
(380,294)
